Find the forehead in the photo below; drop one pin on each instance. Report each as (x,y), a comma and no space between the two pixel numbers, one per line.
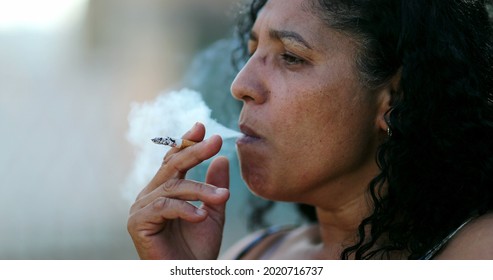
(289,14)
(300,16)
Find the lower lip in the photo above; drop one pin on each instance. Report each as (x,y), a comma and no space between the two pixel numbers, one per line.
(245,139)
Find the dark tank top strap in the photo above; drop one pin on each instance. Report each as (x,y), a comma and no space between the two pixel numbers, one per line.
(434,251)
(266,233)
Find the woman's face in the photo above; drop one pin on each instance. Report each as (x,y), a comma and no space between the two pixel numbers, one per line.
(310,126)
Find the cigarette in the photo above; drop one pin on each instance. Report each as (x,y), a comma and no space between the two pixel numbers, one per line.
(173,142)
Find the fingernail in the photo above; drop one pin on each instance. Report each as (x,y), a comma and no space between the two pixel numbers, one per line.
(200,212)
(221,191)
(193,127)
(208,139)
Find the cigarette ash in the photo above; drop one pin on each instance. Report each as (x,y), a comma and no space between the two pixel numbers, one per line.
(168,141)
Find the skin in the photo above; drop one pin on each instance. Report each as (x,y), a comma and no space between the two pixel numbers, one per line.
(162,224)
(473,242)
(315,127)
(311,134)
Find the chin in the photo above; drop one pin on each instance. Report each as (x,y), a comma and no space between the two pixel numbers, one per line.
(253,177)
(256,181)
(261,186)
(257,172)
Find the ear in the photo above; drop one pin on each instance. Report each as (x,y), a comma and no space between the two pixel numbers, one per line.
(387,95)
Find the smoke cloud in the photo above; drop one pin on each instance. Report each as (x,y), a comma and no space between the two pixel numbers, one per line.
(170,114)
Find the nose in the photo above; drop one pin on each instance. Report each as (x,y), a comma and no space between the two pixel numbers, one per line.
(250,83)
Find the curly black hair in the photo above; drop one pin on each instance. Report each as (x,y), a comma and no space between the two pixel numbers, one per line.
(436,170)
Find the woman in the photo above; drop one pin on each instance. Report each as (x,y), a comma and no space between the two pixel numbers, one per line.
(377,113)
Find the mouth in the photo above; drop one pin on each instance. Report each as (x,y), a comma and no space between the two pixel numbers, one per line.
(249,135)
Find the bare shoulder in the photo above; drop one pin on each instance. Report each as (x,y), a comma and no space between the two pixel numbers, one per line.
(473,242)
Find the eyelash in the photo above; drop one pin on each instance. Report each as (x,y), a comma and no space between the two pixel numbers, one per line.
(290,59)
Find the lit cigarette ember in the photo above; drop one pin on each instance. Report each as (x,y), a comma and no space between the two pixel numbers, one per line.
(173,142)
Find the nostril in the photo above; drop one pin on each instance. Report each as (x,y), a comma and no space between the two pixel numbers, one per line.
(247,98)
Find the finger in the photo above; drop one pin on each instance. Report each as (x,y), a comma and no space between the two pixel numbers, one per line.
(196,134)
(152,218)
(218,175)
(177,165)
(184,190)
(194,155)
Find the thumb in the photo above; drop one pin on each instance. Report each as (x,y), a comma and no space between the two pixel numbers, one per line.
(218,175)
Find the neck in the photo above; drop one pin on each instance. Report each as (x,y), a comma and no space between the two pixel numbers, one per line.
(339,227)
(341,207)
(341,224)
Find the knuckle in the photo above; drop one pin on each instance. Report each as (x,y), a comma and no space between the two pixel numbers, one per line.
(130,226)
(132,210)
(170,186)
(132,223)
(167,158)
(161,203)
(201,188)
(172,161)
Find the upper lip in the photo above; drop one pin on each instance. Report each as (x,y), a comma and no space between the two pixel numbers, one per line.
(248,131)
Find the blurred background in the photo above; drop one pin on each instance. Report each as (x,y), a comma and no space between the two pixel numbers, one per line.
(69,70)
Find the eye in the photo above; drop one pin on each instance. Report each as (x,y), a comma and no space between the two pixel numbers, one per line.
(291,59)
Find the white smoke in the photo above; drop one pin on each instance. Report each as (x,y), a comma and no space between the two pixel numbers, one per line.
(170,114)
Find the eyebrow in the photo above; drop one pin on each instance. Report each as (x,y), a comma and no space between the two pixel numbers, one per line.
(283,35)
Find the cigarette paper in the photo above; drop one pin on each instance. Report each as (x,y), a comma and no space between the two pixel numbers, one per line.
(173,142)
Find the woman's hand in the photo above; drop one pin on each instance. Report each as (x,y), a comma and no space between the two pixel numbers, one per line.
(163,225)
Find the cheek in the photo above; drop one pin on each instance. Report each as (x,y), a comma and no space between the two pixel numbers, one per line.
(319,140)
(291,153)
(311,138)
